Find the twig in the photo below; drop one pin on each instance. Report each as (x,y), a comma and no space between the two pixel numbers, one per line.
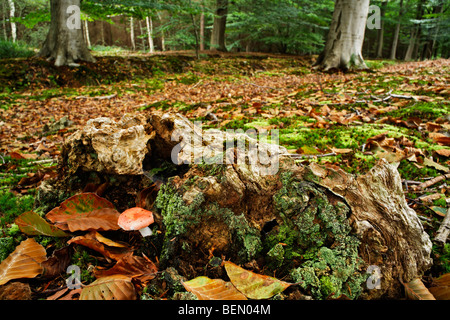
(310,155)
(444,228)
(98,98)
(429,183)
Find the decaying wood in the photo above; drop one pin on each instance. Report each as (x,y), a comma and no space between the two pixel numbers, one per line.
(231,211)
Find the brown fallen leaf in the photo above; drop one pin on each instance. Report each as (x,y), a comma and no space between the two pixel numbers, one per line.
(24,262)
(135,267)
(205,288)
(115,287)
(90,240)
(252,285)
(416,290)
(440,287)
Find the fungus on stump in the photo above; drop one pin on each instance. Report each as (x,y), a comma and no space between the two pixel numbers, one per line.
(314,224)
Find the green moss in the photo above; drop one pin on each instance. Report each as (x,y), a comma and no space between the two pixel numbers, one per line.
(318,235)
(180,218)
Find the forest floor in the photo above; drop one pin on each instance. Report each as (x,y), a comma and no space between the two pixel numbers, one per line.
(397,110)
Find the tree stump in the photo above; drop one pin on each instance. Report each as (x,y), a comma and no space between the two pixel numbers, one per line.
(331,232)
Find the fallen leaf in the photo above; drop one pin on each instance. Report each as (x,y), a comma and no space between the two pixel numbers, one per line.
(443,152)
(24,262)
(430,163)
(115,287)
(252,285)
(90,240)
(441,287)
(81,206)
(416,290)
(132,266)
(33,224)
(205,288)
(57,264)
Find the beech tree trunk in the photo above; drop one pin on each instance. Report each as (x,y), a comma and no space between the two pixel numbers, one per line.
(343,48)
(65,43)
(149,23)
(396,34)
(381,31)
(219,26)
(12,12)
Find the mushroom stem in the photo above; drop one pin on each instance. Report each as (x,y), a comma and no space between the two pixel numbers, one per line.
(145,232)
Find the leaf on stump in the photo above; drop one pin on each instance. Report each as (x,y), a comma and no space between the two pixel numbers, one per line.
(115,287)
(416,290)
(33,224)
(213,289)
(252,285)
(24,262)
(85,211)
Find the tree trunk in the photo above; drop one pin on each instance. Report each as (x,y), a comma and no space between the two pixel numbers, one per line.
(219,26)
(346,36)
(133,42)
(86,33)
(149,23)
(202,31)
(381,31)
(396,34)
(65,43)
(5,34)
(12,12)
(414,42)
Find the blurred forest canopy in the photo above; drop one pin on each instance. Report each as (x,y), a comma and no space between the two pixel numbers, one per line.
(408,29)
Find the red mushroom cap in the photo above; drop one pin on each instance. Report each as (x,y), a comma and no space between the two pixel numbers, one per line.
(135,219)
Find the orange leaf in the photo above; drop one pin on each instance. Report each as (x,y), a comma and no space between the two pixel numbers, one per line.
(24,262)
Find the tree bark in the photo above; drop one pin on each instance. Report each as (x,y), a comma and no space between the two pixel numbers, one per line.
(149,23)
(65,43)
(381,31)
(219,26)
(202,31)
(12,12)
(133,42)
(396,34)
(346,36)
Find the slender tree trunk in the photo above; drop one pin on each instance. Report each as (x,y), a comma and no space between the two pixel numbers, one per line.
(12,12)
(381,31)
(219,26)
(65,43)
(396,34)
(149,23)
(86,33)
(163,38)
(346,36)
(133,42)
(414,41)
(5,34)
(202,31)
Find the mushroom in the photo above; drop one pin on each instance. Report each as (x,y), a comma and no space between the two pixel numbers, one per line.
(136,219)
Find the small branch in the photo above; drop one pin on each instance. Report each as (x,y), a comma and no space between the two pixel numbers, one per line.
(309,156)
(433,181)
(444,229)
(98,98)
